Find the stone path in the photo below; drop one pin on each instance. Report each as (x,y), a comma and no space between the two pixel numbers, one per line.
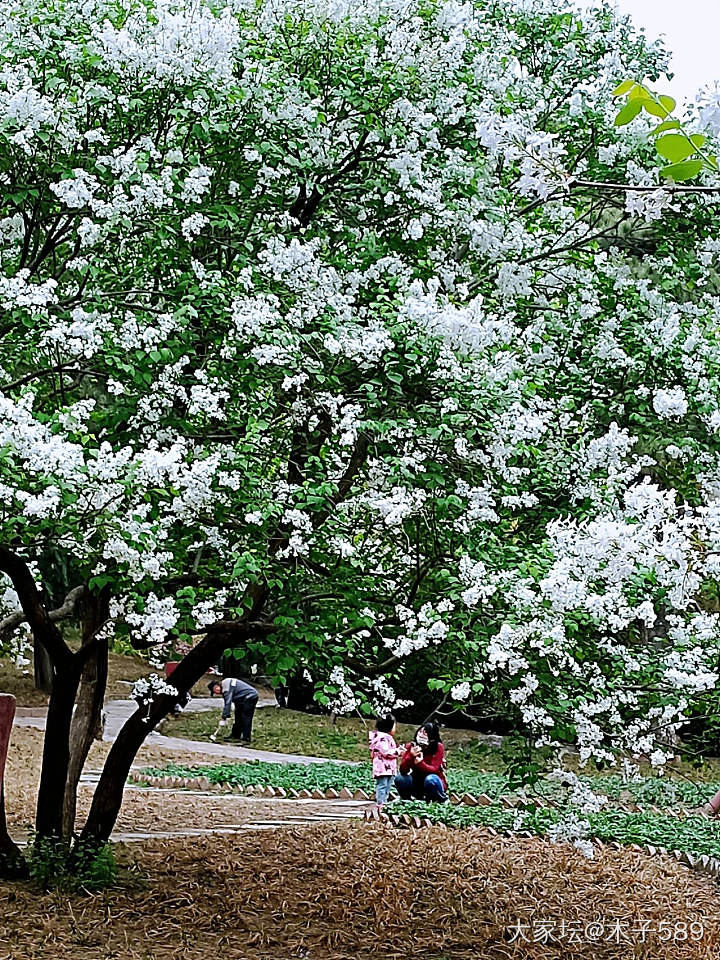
(289,820)
(118,711)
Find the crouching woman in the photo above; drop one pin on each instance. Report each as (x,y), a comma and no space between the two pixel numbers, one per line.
(422,767)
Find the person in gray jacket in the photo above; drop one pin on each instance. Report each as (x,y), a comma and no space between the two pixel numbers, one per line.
(244,697)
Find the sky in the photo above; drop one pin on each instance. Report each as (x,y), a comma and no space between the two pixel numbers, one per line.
(691,29)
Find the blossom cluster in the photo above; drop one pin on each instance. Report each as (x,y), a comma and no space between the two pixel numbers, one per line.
(354,355)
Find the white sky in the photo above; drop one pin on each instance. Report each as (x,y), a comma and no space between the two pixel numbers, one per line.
(692,31)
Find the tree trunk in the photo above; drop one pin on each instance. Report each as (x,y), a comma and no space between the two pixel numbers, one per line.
(86,722)
(109,791)
(12,862)
(56,752)
(42,667)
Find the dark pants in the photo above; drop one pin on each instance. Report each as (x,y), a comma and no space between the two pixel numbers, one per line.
(429,788)
(244,711)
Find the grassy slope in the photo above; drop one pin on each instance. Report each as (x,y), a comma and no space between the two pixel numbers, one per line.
(123,671)
(346,738)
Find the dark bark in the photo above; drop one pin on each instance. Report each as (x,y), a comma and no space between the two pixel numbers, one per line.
(45,633)
(66,677)
(43,668)
(56,752)
(12,862)
(86,720)
(109,791)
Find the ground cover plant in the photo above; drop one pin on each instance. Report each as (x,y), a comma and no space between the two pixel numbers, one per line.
(297,776)
(692,834)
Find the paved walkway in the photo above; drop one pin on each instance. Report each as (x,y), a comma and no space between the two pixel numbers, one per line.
(289,820)
(116,714)
(118,711)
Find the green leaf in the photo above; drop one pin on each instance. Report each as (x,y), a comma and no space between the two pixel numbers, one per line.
(628,113)
(665,125)
(654,109)
(682,171)
(99,582)
(675,147)
(667,102)
(625,87)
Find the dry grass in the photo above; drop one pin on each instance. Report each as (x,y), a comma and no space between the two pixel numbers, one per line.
(359,891)
(123,671)
(140,811)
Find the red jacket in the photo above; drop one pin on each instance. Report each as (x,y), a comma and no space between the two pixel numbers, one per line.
(430,763)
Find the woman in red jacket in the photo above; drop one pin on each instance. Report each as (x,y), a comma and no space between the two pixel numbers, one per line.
(422,767)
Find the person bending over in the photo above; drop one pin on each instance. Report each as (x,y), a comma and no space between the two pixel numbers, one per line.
(422,767)
(244,697)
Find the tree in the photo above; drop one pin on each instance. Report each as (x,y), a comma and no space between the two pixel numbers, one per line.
(312,349)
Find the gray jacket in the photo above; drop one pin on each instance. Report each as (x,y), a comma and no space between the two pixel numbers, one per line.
(235,691)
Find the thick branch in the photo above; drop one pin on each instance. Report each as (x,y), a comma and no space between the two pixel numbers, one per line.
(55,616)
(108,795)
(636,188)
(353,468)
(43,628)
(86,720)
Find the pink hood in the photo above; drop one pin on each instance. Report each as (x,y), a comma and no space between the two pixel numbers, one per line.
(384,752)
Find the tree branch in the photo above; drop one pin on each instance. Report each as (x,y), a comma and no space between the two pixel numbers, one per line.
(637,188)
(43,628)
(60,613)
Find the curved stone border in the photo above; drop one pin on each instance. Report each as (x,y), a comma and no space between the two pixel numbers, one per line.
(251,790)
(465,799)
(700,862)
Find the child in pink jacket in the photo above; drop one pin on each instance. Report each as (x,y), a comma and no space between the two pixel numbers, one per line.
(384,752)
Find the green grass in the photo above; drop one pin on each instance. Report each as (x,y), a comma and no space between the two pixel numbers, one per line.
(313,735)
(346,738)
(55,865)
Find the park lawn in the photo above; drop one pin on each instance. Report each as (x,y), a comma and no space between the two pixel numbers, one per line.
(366,891)
(345,738)
(318,735)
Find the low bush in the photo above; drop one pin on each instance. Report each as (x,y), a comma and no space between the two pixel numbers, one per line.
(58,865)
